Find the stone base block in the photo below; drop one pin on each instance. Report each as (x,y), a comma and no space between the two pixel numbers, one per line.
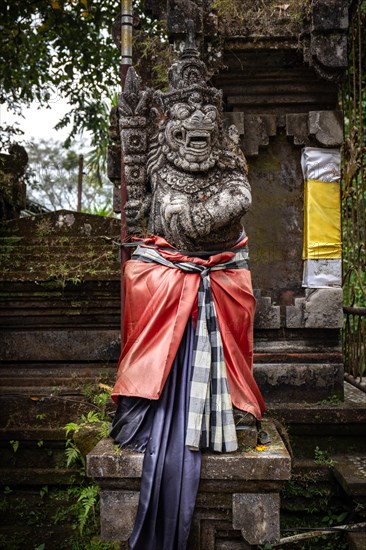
(118,511)
(238,499)
(257,516)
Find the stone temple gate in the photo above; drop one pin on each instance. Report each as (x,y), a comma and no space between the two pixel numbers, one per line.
(280,88)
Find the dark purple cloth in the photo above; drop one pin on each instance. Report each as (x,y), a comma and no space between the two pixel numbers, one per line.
(171,471)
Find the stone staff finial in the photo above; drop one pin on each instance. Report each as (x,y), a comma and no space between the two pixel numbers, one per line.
(190,48)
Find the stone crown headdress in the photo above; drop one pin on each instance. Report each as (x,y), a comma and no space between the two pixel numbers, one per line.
(189,75)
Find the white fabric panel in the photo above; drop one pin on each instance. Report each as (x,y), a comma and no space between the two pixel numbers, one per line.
(322,273)
(321,164)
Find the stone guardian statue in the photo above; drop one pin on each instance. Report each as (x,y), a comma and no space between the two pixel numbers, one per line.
(188,319)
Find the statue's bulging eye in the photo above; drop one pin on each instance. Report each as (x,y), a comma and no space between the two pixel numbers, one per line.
(210,113)
(180,111)
(183,113)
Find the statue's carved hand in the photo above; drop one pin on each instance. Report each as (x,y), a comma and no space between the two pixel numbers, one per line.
(174,205)
(136,209)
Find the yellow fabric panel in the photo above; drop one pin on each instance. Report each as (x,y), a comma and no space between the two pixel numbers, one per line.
(322,220)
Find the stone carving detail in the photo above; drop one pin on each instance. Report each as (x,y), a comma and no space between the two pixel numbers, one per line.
(324,128)
(321,308)
(186,176)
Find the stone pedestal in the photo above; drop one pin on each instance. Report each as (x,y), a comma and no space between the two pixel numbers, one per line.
(238,502)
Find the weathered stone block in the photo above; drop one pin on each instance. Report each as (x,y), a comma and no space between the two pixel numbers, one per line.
(295,314)
(257,515)
(329,14)
(320,308)
(331,50)
(297,127)
(350,471)
(114,163)
(266,315)
(257,131)
(179,12)
(116,199)
(117,513)
(326,127)
(324,308)
(289,383)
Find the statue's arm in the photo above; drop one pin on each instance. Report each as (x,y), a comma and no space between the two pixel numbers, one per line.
(219,210)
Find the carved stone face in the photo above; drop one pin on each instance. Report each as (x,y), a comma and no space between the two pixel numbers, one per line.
(191,135)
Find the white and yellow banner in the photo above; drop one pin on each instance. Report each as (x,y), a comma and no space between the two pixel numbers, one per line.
(322,246)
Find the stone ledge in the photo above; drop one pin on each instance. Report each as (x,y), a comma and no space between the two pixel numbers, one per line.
(350,471)
(326,127)
(105,461)
(333,414)
(322,128)
(38,476)
(60,345)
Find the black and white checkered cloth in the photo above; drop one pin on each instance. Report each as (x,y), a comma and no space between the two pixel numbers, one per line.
(210,417)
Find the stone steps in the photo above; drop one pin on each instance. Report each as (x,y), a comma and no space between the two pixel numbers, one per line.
(37,476)
(350,471)
(52,378)
(334,426)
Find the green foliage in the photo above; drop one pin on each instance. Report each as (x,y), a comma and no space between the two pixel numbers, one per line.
(75,510)
(59,48)
(354,163)
(73,454)
(332,400)
(322,457)
(15,445)
(87,500)
(99,399)
(85,494)
(334,519)
(43,491)
(64,48)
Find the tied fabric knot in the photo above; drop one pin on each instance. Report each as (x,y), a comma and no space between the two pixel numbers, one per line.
(210,412)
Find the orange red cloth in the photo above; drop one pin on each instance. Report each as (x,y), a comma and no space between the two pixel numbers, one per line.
(159,302)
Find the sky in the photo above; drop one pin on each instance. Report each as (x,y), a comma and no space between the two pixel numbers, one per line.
(38,123)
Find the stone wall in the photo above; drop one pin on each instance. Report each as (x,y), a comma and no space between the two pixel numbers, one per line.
(60,329)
